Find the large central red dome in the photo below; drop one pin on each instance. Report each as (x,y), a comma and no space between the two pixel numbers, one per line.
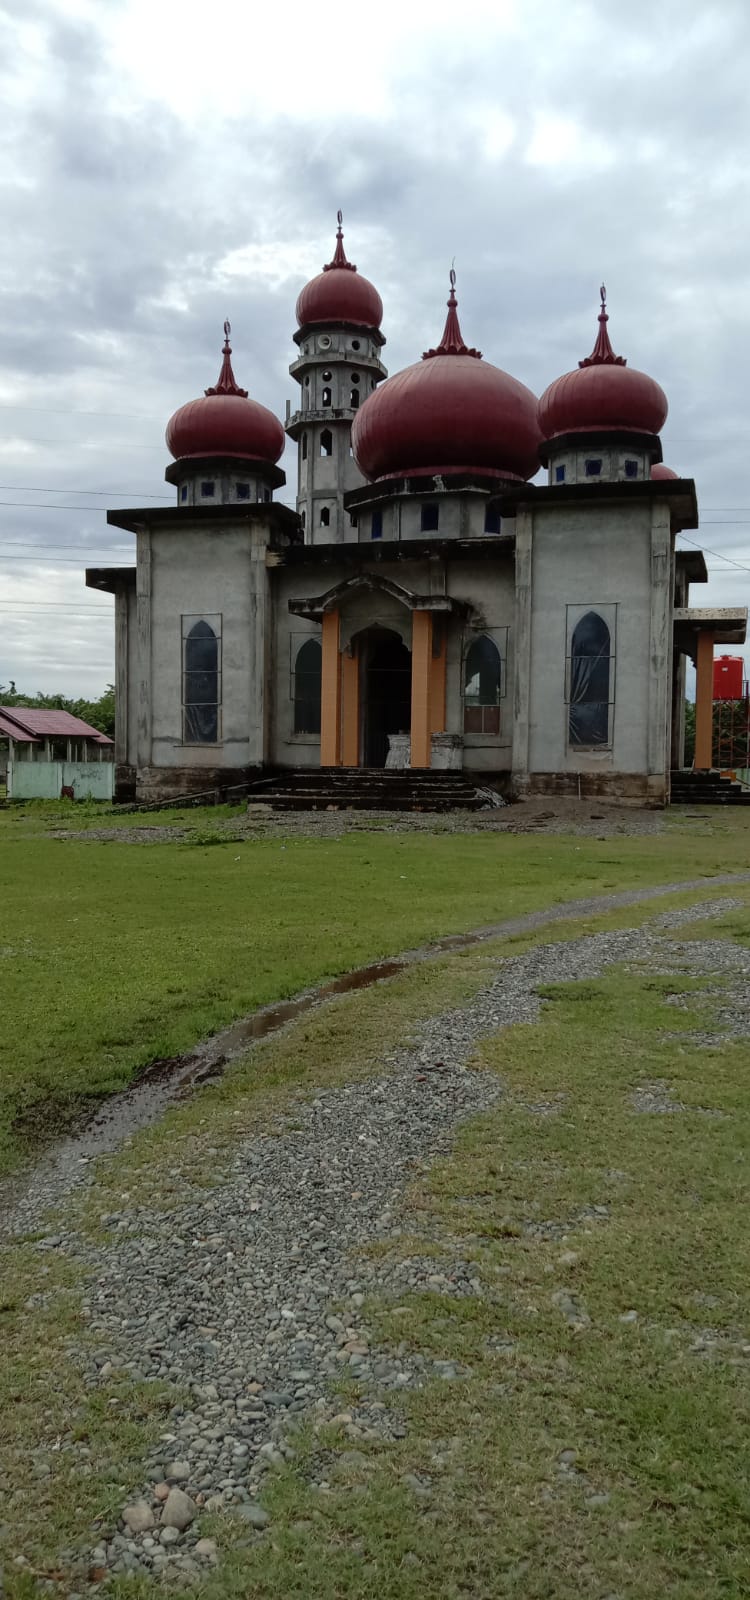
(603,394)
(224,422)
(451,412)
(339,294)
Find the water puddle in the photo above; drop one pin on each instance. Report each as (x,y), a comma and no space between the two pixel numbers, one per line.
(165,1083)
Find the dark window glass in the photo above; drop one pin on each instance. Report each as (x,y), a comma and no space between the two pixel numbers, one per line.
(304,447)
(307,675)
(559,474)
(376,530)
(593,468)
(326,442)
(352,519)
(326,401)
(200,685)
(207,490)
(327,377)
(303,518)
(590,662)
(355,344)
(355,378)
(266,494)
(631,469)
(307,383)
(430,518)
(325,517)
(183,492)
(491,521)
(243,491)
(482,687)
(354,399)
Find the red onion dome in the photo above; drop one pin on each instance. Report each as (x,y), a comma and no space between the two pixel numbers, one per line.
(340,294)
(602,394)
(659,470)
(450,412)
(225,422)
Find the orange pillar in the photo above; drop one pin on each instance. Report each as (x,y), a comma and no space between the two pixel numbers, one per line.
(330,693)
(421,674)
(350,703)
(704,700)
(437,677)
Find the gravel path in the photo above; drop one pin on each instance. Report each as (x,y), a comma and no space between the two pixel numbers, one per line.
(25,1199)
(251,1296)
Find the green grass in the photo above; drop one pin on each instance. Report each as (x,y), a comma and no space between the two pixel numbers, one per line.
(114,955)
(656,1426)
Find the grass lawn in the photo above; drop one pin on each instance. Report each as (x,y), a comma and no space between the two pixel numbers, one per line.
(579,1459)
(115,954)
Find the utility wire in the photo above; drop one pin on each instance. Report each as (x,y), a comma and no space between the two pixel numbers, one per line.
(34,488)
(706,552)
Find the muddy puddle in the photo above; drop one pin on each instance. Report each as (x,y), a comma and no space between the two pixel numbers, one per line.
(167,1082)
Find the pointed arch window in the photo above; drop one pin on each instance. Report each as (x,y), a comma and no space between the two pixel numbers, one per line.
(308,667)
(326,442)
(326,397)
(201,680)
(483,678)
(304,447)
(590,679)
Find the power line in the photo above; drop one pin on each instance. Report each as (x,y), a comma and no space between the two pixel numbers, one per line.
(718,553)
(25,488)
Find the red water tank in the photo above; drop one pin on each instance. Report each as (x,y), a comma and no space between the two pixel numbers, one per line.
(728,675)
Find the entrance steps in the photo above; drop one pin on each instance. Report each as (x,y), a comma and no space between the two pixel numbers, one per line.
(689,788)
(367,789)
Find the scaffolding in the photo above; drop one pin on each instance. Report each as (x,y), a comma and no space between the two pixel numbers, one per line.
(731,734)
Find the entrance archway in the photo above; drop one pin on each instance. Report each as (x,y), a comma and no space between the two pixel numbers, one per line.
(385,678)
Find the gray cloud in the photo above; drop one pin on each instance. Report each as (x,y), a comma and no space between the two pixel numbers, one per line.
(582,142)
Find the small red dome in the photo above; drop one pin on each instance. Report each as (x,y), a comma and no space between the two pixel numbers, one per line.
(602,394)
(659,470)
(225,422)
(340,294)
(450,412)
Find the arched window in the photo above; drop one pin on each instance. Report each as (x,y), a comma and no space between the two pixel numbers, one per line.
(326,397)
(201,693)
(304,447)
(590,664)
(307,675)
(354,399)
(326,442)
(325,516)
(482,686)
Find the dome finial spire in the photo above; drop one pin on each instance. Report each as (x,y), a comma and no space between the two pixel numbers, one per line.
(226,382)
(339,254)
(602,354)
(452,342)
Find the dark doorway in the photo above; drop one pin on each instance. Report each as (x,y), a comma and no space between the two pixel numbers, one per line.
(386,700)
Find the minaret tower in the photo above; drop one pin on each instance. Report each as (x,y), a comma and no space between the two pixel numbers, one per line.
(339,314)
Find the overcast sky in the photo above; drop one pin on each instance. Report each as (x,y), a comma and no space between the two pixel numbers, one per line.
(165,164)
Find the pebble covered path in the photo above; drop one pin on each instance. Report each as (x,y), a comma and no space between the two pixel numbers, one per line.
(251,1298)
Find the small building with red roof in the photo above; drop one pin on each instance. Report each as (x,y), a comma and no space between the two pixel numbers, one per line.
(429,602)
(47,752)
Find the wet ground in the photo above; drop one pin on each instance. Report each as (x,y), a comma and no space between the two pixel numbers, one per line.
(165,1083)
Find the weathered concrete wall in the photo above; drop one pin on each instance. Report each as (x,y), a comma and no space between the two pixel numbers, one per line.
(45,780)
(570,561)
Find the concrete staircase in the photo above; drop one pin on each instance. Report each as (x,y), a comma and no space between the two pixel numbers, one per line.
(367,789)
(690,788)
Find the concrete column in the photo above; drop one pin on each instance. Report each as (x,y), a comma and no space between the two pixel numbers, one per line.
(704,701)
(121,677)
(143,630)
(330,693)
(522,649)
(678,711)
(350,707)
(421,673)
(660,649)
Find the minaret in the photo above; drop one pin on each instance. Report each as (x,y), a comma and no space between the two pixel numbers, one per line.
(339,314)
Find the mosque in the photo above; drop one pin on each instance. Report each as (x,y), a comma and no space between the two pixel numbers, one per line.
(426,606)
